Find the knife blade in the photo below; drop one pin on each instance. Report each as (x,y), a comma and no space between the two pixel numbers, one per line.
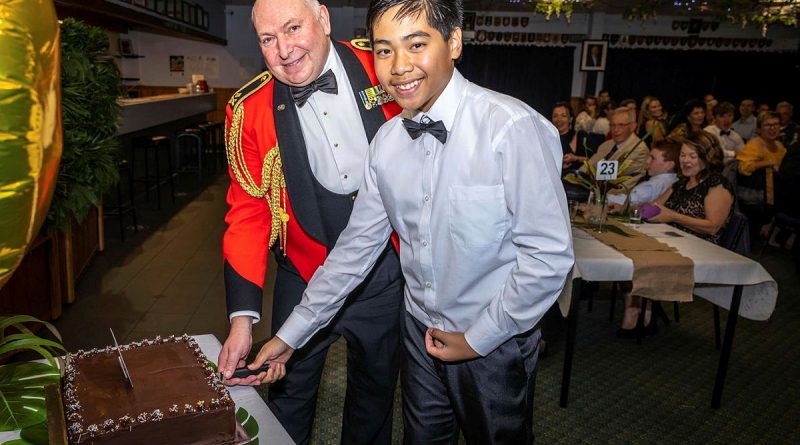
(121,360)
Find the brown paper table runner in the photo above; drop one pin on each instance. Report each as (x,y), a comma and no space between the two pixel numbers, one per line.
(659,271)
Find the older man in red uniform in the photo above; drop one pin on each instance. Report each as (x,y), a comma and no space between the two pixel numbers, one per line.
(297,137)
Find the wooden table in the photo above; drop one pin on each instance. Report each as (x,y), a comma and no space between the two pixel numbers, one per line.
(722,277)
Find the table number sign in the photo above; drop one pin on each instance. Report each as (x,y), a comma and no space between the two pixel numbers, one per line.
(607,170)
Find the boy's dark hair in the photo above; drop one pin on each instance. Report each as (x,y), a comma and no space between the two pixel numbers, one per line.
(723,108)
(443,15)
(671,151)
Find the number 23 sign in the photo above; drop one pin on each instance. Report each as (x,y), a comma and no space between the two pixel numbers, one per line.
(606,170)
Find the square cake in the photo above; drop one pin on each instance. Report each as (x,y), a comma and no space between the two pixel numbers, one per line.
(176,398)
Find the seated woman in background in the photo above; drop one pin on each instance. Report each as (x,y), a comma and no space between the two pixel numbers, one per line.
(759,161)
(573,142)
(584,121)
(652,120)
(692,119)
(700,203)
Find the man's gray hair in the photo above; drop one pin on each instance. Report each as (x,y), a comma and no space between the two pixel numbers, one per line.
(630,113)
(784,104)
(313,4)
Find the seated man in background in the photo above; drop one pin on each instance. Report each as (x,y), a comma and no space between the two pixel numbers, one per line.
(730,140)
(746,125)
(661,171)
(624,146)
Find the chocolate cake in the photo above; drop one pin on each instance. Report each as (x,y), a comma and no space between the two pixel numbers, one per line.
(176,398)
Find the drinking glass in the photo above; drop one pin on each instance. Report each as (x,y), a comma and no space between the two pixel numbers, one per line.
(635,216)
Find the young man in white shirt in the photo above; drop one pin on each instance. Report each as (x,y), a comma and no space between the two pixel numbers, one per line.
(661,171)
(730,140)
(470,181)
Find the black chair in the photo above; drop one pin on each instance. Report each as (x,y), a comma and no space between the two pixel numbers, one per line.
(734,238)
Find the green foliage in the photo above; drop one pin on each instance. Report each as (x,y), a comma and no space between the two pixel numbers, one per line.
(22,402)
(90,86)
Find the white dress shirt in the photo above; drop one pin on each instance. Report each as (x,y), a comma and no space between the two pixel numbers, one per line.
(336,147)
(731,143)
(485,239)
(647,191)
(746,127)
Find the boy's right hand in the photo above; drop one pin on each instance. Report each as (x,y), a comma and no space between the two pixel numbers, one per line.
(275,352)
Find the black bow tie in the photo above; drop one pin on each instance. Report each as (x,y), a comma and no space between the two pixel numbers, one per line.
(724,133)
(325,83)
(415,129)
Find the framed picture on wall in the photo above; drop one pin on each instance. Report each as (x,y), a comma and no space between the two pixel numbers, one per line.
(593,55)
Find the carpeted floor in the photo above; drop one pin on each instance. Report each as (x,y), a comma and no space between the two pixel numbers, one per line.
(659,392)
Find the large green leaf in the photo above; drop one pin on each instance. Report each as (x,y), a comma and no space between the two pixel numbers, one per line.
(22,394)
(36,434)
(250,425)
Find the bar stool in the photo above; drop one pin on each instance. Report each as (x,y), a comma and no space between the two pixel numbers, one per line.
(216,136)
(122,207)
(189,151)
(152,147)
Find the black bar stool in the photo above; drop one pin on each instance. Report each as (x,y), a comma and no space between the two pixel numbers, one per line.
(189,151)
(121,206)
(152,147)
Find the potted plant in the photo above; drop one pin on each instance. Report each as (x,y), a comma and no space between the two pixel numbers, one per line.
(22,383)
(90,87)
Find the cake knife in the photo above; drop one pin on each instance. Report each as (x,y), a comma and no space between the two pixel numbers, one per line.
(121,360)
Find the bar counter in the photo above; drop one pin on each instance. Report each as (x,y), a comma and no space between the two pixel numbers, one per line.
(145,112)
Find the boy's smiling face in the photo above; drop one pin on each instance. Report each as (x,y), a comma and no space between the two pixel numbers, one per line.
(413,61)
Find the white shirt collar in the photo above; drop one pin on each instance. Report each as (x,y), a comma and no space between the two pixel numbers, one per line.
(446,105)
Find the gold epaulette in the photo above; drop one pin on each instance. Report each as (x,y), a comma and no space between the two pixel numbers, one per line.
(362,44)
(273,183)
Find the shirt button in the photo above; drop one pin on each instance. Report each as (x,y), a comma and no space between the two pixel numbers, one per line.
(424,243)
(345,176)
(335,145)
(428,153)
(428,285)
(324,113)
(427,198)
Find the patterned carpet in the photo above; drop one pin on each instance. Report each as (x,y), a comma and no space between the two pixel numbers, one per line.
(659,392)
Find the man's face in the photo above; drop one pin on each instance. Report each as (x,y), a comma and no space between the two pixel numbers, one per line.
(413,62)
(656,164)
(603,97)
(594,50)
(708,98)
(746,108)
(724,121)
(786,114)
(293,38)
(621,127)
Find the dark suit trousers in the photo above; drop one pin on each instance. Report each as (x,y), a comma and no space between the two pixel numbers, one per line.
(370,323)
(490,399)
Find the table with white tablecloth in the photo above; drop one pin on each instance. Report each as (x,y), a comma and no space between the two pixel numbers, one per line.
(722,277)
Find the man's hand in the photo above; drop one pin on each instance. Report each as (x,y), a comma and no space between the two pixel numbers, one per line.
(235,349)
(277,353)
(448,346)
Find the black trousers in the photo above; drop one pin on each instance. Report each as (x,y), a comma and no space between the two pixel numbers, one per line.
(370,323)
(490,399)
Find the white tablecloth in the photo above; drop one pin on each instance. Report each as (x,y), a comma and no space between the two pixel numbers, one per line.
(716,270)
(270,430)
